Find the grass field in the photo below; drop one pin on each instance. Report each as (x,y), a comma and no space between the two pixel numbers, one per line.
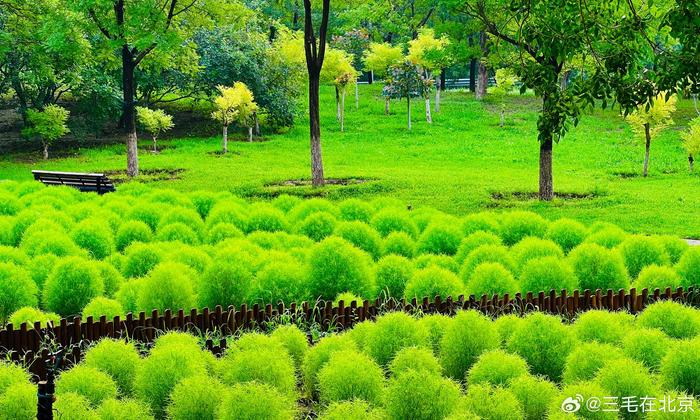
(464,162)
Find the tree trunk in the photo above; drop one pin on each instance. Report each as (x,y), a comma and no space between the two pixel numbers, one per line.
(690,163)
(437,95)
(342,111)
(257,124)
(472,68)
(647,134)
(129,93)
(443,79)
(317,179)
(546,183)
(46,151)
(503,117)
(428,117)
(370,77)
(225,134)
(155,144)
(409,112)
(250,134)
(483,77)
(564,80)
(357,94)
(387,100)
(337,104)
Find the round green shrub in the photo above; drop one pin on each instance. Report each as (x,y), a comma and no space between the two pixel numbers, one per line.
(493,403)
(586,359)
(318,356)
(359,332)
(435,324)
(680,368)
(168,197)
(347,299)
(433,281)
(544,343)
(40,267)
(356,409)
(496,367)
(362,236)
(517,225)
(476,222)
(391,333)
(228,211)
(31,315)
(654,277)
(399,243)
(140,259)
(424,216)
(258,341)
(641,251)
(415,395)
(688,267)
(253,400)
(17,289)
(675,247)
(6,225)
(468,336)
(646,346)
(674,319)
(349,375)
(128,294)
(14,256)
(566,233)
(283,280)
(148,213)
(194,257)
(535,395)
(608,237)
(294,341)
(195,397)
(472,242)
(286,202)
(185,216)
(177,232)
(624,378)
(442,261)
(440,238)
(94,237)
(111,277)
(203,201)
(392,273)
(123,409)
(19,402)
(491,279)
(415,358)
(531,248)
(12,375)
(222,231)
(394,220)
(264,365)
(264,217)
(335,267)
(505,325)
(586,390)
(226,282)
(354,209)
(603,326)
(71,285)
(168,286)
(672,399)
(305,208)
(483,254)
(118,359)
(49,241)
(598,268)
(9,205)
(132,231)
(547,273)
(89,382)
(100,306)
(317,226)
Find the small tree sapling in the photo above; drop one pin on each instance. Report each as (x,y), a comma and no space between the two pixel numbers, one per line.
(48,125)
(648,120)
(155,122)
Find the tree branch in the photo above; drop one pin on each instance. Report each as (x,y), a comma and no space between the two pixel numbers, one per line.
(102,29)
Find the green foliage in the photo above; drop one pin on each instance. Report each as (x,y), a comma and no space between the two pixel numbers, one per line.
(473,241)
(391,333)
(415,359)
(132,231)
(544,343)
(294,341)
(622,377)
(48,124)
(317,226)
(639,252)
(17,289)
(657,116)
(94,237)
(465,338)
(355,409)
(49,241)
(381,56)
(118,359)
(31,315)
(140,259)
(177,232)
(486,222)
(598,268)
(263,365)
(486,254)
(491,279)
(691,138)
(433,281)
(20,402)
(154,121)
(435,324)
(531,247)
(646,346)
(284,280)
(355,210)
(11,375)
(399,243)
(416,395)
(675,246)
(253,400)
(335,267)
(674,319)
(587,359)
(391,220)
(609,237)
(226,282)
(167,286)
(517,225)
(222,231)
(123,409)
(100,306)
(71,285)
(586,390)
(318,356)
(680,368)
(266,218)
(505,80)
(234,105)
(547,273)
(195,397)
(505,325)
(535,395)
(89,382)
(362,236)
(496,367)
(492,403)
(440,238)
(688,267)
(74,406)
(431,260)
(392,273)
(657,277)
(603,326)
(350,375)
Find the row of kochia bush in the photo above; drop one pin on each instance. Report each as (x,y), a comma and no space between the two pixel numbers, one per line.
(69,253)
(398,367)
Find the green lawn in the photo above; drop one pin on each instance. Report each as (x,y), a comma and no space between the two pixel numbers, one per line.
(464,162)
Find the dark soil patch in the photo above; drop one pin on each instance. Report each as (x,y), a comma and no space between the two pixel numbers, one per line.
(221,153)
(534,195)
(627,174)
(161,147)
(329,181)
(146,175)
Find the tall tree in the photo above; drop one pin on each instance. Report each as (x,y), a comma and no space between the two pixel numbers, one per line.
(315,52)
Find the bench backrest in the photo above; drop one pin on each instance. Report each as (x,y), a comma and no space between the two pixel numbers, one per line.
(98,183)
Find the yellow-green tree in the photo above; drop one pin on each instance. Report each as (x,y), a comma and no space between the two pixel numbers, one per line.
(338,71)
(155,122)
(430,55)
(379,59)
(648,121)
(47,125)
(505,81)
(691,141)
(235,105)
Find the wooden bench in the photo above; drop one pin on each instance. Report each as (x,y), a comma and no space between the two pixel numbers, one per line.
(98,183)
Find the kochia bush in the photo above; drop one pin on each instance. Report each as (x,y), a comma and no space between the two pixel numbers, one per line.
(415,359)
(640,251)
(418,396)
(490,402)
(468,336)
(89,382)
(519,224)
(253,400)
(195,397)
(646,346)
(118,359)
(483,254)
(337,267)
(399,243)
(598,268)
(623,378)
(688,267)
(680,368)
(132,231)
(674,319)
(496,367)
(177,232)
(440,238)
(391,333)
(71,285)
(140,259)
(95,237)
(490,279)
(266,218)
(603,326)
(318,356)
(535,395)
(317,226)
(294,341)
(656,277)
(393,220)
(356,409)
(531,248)
(123,409)
(433,281)
(226,282)
(362,236)
(262,365)
(349,375)
(392,274)
(567,233)
(354,209)
(100,306)
(17,289)
(547,273)
(168,286)
(586,359)
(473,241)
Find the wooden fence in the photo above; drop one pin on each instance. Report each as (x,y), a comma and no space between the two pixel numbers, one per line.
(31,344)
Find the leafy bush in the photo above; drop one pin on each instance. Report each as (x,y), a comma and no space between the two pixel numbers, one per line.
(435,324)
(222,231)
(415,395)
(286,202)
(89,382)
(490,279)
(608,237)
(111,278)
(140,259)
(19,402)
(415,359)
(544,343)
(535,395)
(586,359)
(294,341)
(132,231)
(391,333)
(362,236)
(433,281)
(349,375)
(496,367)
(100,306)
(399,243)
(547,273)
(441,261)
(598,268)
(318,356)
(305,208)
(95,237)
(623,378)
(674,319)
(168,286)
(567,233)
(49,241)
(519,224)
(71,285)
(357,409)
(353,209)
(656,277)
(675,247)
(493,403)
(263,365)
(177,232)
(226,282)
(640,251)
(440,238)
(148,213)
(118,359)
(12,375)
(393,220)
(480,222)
(31,315)
(203,201)
(264,217)
(688,267)
(680,368)
(193,257)
(17,289)
(123,409)
(603,326)
(284,280)
(472,242)
(253,400)
(468,336)
(531,248)
(335,267)
(317,226)
(195,397)
(228,211)
(483,254)
(646,346)
(392,274)
(128,294)
(505,325)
